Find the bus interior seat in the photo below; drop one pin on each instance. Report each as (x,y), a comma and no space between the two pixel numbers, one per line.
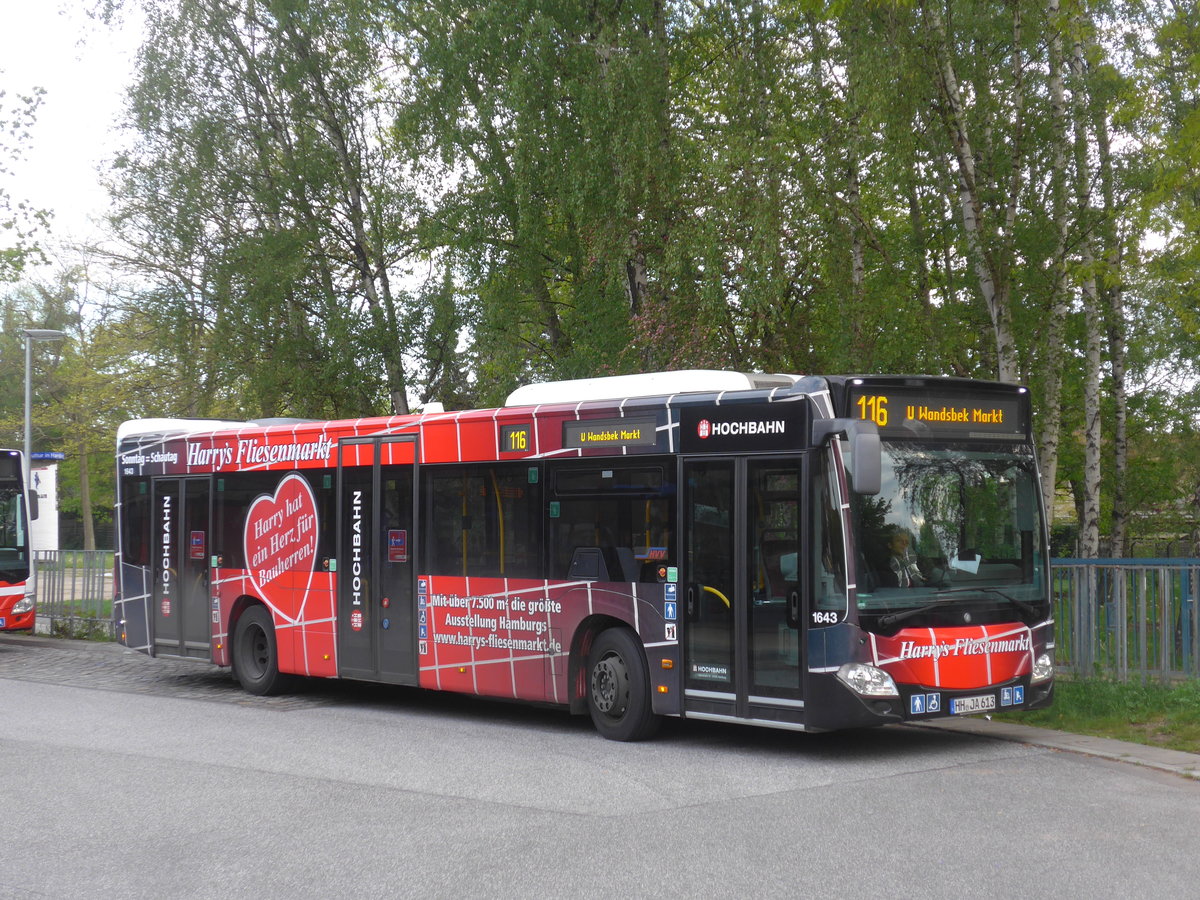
(604,564)
(588,564)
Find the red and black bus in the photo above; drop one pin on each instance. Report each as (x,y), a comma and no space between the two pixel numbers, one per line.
(808,553)
(17,596)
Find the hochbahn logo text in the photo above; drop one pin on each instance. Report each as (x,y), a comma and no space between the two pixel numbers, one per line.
(706,429)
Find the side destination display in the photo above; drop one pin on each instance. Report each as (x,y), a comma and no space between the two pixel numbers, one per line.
(588,434)
(931,412)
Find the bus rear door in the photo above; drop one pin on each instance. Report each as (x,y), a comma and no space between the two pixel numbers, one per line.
(180,598)
(377,627)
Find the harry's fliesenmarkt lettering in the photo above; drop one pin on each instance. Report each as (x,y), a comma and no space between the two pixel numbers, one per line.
(966,647)
(255,452)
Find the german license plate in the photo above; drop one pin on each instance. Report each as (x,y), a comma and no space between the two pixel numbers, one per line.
(964,706)
(2,621)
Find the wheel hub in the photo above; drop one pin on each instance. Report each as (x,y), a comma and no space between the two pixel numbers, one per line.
(610,685)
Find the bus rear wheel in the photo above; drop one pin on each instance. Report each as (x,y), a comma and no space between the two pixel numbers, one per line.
(256,654)
(619,687)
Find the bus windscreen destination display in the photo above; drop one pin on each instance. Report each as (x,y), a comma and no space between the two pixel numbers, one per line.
(931,412)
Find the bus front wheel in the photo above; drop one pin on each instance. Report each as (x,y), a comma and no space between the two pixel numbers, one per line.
(256,655)
(619,687)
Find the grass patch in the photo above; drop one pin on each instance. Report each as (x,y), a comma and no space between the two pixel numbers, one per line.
(83,628)
(1160,715)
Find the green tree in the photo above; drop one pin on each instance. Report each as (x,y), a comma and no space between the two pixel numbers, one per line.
(20,221)
(258,203)
(545,130)
(1167,69)
(610,185)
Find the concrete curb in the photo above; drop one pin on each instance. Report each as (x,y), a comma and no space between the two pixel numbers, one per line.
(1176,762)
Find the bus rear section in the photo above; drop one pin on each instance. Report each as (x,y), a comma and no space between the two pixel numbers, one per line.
(17,595)
(355,550)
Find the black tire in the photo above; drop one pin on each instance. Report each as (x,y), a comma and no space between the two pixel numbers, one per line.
(619,687)
(255,654)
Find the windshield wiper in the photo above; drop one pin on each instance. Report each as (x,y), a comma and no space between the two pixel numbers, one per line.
(1027,608)
(888,621)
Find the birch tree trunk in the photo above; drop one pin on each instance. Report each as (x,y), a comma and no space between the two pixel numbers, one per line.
(1114,306)
(1089,525)
(1052,359)
(987,260)
(820,60)
(85,499)
(858,266)
(372,266)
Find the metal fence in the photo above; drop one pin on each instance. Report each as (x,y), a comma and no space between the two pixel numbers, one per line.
(74,593)
(1115,618)
(1127,618)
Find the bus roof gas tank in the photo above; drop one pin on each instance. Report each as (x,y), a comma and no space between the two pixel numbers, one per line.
(651,384)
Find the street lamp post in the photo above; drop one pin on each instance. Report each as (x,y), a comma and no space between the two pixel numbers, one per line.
(31,335)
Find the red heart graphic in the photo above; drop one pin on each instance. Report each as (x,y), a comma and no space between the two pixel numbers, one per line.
(281,540)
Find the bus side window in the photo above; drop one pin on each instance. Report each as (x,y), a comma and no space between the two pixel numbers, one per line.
(624,511)
(234,494)
(482,521)
(135,522)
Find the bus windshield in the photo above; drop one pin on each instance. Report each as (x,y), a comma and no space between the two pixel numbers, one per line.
(954,537)
(14,543)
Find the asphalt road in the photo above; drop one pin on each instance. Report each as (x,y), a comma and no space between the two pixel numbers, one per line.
(130,777)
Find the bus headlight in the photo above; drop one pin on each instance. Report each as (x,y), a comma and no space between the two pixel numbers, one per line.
(24,605)
(1043,669)
(867,681)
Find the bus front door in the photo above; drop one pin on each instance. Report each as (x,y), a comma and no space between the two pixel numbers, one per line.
(742,527)
(180,614)
(377,630)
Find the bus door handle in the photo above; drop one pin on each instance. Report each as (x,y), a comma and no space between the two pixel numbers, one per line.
(691,601)
(793,608)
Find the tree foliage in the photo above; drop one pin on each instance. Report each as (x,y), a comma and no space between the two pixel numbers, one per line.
(259,205)
(20,220)
(332,207)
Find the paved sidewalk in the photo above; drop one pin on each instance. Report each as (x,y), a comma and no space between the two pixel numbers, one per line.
(109,666)
(1174,761)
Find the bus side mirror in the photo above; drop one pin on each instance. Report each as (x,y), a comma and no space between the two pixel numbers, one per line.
(866,455)
(32,502)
